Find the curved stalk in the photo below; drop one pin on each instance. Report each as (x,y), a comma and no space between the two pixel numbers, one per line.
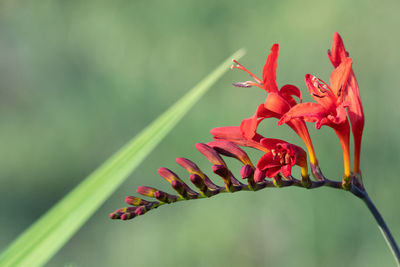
(391,242)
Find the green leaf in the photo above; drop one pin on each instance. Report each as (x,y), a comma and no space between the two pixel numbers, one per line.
(46,236)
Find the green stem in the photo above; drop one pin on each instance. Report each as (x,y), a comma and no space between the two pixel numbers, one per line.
(381,223)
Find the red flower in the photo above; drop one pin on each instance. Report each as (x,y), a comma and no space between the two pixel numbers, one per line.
(329,109)
(278,102)
(351,95)
(280,156)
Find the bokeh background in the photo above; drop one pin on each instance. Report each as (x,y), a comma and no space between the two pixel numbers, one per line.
(78,79)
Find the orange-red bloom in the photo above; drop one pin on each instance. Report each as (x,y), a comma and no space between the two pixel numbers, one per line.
(278,102)
(337,55)
(280,156)
(329,109)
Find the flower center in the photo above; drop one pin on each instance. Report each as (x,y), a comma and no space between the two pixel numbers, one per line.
(322,87)
(282,154)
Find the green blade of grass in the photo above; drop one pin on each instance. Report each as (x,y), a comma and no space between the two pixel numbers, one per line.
(46,236)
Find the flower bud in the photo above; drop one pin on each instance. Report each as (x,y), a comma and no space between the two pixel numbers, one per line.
(136,201)
(165,197)
(190,166)
(128,216)
(221,170)
(246,171)
(171,177)
(181,189)
(229,149)
(146,191)
(259,175)
(198,182)
(210,154)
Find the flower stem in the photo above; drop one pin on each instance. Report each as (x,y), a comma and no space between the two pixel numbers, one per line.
(381,223)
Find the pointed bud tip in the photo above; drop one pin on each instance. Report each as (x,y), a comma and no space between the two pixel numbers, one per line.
(210,154)
(146,191)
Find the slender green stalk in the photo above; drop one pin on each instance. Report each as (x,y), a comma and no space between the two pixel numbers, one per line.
(391,242)
(46,236)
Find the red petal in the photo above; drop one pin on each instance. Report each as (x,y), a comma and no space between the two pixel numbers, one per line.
(277,104)
(288,90)
(267,161)
(249,126)
(341,114)
(286,170)
(339,78)
(356,116)
(234,135)
(310,112)
(271,143)
(338,53)
(272,172)
(269,71)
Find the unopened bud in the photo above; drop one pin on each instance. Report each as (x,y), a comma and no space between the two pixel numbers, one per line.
(128,216)
(246,171)
(210,154)
(259,175)
(146,191)
(220,170)
(116,215)
(190,166)
(181,189)
(168,174)
(165,197)
(198,182)
(136,201)
(140,210)
(230,149)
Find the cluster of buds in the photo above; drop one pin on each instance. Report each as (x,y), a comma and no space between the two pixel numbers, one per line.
(335,103)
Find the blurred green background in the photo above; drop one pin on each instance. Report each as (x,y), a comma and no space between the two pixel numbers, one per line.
(78,79)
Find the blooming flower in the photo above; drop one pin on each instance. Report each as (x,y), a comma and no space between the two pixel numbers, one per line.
(337,55)
(281,157)
(329,109)
(278,102)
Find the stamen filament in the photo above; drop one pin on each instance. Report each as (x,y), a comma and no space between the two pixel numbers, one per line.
(241,67)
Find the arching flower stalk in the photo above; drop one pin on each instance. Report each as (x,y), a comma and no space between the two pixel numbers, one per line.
(334,104)
(280,157)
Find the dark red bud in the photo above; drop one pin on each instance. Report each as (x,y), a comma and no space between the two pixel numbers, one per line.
(210,154)
(128,216)
(146,191)
(220,170)
(168,174)
(259,175)
(230,149)
(164,197)
(246,171)
(136,201)
(190,166)
(116,215)
(198,182)
(140,210)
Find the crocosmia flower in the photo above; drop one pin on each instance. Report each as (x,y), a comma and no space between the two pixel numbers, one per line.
(281,157)
(330,107)
(337,55)
(278,102)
